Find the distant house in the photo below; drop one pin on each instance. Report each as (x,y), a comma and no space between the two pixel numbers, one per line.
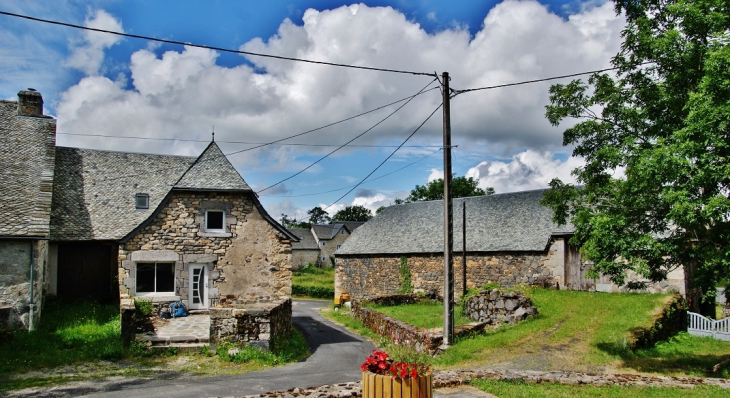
(510,240)
(318,243)
(115,225)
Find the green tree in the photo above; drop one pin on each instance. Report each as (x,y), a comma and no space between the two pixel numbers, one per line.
(317,215)
(656,140)
(293,223)
(353,213)
(461,187)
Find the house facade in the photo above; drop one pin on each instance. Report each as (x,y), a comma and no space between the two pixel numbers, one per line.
(27,156)
(318,244)
(510,240)
(120,226)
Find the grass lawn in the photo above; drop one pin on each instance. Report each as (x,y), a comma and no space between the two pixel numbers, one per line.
(426,314)
(581,331)
(81,340)
(521,389)
(314,282)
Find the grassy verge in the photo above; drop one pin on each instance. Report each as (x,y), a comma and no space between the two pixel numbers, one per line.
(520,389)
(79,341)
(581,331)
(425,314)
(314,282)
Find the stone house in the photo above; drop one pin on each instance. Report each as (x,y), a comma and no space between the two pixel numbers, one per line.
(122,225)
(27,156)
(510,240)
(319,243)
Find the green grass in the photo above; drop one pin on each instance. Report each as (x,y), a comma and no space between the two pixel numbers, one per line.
(581,331)
(81,340)
(425,314)
(314,282)
(521,389)
(67,334)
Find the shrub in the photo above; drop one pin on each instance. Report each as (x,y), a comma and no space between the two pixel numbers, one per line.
(143,308)
(313,291)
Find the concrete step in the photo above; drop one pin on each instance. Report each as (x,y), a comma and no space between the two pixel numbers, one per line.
(181,346)
(167,341)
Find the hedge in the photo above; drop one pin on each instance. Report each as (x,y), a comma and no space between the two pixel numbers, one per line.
(313,291)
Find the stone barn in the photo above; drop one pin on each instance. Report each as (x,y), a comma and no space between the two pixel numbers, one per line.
(510,239)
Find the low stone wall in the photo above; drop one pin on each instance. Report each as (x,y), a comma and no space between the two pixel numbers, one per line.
(261,326)
(672,320)
(496,307)
(405,334)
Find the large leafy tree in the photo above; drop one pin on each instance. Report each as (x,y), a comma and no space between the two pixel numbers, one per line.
(317,215)
(656,139)
(353,213)
(461,187)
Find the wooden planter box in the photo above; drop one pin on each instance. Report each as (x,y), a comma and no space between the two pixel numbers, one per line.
(381,386)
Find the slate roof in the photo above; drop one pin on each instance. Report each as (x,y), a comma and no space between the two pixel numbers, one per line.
(351,225)
(502,222)
(94,192)
(26,172)
(212,171)
(306,239)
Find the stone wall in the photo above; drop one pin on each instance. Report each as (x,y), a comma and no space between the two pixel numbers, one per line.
(15,303)
(249,262)
(496,307)
(301,257)
(366,277)
(262,326)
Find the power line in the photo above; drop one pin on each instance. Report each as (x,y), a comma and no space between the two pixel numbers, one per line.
(457,92)
(242,142)
(350,186)
(348,142)
(386,159)
(212,47)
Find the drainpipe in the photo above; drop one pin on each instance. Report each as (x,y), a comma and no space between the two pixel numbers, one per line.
(31,326)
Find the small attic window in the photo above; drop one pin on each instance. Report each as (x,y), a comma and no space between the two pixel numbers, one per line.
(214,221)
(142,201)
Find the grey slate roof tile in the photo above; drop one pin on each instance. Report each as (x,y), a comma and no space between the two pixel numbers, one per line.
(502,222)
(94,191)
(26,172)
(306,239)
(212,171)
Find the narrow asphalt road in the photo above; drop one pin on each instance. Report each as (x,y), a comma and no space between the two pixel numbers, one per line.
(336,358)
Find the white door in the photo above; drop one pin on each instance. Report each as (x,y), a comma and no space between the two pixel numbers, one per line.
(198,294)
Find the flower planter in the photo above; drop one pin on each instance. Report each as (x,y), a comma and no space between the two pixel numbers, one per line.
(383,386)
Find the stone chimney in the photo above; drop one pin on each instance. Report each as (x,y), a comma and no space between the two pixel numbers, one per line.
(30,103)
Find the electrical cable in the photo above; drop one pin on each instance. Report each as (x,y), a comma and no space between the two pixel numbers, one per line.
(386,159)
(212,47)
(350,186)
(242,142)
(348,142)
(457,92)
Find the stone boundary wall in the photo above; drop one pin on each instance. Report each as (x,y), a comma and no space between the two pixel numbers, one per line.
(366,277)
(15,301)
(496,307)
(405,334)
(262,326)
(672,320)
(455,378)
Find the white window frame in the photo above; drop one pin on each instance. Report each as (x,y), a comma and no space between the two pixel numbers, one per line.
(338,247)
(155,293)
(223,223)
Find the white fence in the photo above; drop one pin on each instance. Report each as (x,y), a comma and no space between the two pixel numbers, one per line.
(698,325)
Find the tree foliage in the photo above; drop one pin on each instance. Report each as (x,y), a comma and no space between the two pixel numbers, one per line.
(293,223)
(353,213)
(461,187)
(656,140)
(317,215)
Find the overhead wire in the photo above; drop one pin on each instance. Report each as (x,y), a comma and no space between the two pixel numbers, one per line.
(241,142)
(368,181)
(227,50)
(348,142)
(386,159)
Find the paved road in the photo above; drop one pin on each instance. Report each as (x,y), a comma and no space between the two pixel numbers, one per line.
(336,358)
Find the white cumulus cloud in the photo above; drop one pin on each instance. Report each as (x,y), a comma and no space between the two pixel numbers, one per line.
(88,53)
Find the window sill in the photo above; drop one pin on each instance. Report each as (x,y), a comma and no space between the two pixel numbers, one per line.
(215,234)
(158,297)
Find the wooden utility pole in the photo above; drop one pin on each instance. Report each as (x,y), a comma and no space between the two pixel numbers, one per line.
(448,221)
(463,248)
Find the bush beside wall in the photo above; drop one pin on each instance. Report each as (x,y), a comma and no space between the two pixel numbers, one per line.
(672,320)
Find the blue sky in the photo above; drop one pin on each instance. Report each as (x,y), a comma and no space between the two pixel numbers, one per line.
(104,85)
